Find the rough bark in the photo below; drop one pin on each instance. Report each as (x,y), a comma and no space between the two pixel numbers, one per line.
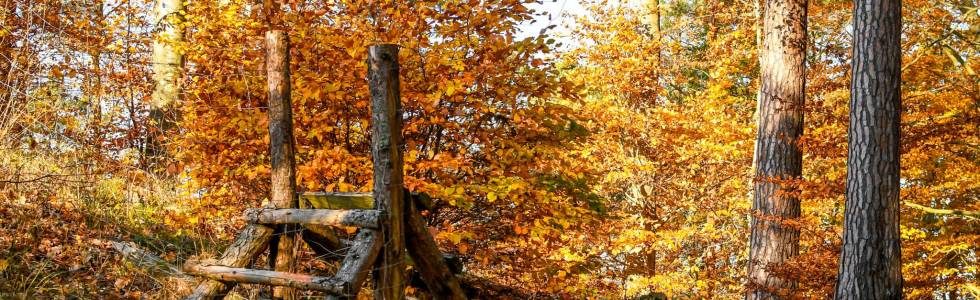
(778,158)
(386,150)
(281,150)
(242,275)
(167,63)
(241,253)
(429,261)
(347,217)
(870,261)
(357,264)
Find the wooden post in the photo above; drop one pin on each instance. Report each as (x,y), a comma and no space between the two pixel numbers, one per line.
(386,128)
(281,150)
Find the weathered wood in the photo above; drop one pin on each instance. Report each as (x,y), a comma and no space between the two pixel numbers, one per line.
(241,253)
(357,200)
(331,200)
(429,261)
(281,150)
(365,218)
(148,261)
(357,264)
(275,278)
(386,128)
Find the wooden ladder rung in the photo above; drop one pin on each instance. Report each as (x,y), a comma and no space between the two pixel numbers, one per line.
(364,218)
(242,275)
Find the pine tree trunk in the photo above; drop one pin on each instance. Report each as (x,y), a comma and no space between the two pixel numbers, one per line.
(870,264)
(778,159)
(167,63)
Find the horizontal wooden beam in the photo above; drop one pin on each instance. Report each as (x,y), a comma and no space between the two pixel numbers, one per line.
(243,275)
(335,217)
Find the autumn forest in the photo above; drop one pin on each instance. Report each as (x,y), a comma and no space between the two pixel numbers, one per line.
(490,149)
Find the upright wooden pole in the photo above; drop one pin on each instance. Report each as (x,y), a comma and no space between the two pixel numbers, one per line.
(281,150)
(386,118)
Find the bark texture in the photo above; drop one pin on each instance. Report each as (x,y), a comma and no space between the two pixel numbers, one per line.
(870,261)
(365,218)
(281,150)
(778,159)
(386,150)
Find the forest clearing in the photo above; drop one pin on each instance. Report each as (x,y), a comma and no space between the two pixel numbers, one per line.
(477,149)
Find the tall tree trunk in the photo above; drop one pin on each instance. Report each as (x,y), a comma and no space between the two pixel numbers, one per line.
(386,154)
(870,261)
(778,159)
(282,151)
(167,63)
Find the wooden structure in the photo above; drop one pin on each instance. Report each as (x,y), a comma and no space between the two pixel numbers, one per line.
(389,228)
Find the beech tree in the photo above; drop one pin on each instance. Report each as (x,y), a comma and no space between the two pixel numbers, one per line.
(166,64)
(870,261)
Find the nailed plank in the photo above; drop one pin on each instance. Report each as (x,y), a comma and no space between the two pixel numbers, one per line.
(347,217)
(357,264)
(241,253)
(329,200)
(267,277)
(356,200)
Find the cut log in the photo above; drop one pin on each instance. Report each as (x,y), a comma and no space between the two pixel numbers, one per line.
(429,261)
(348,217)
(276,278)
(357,264)
(241,253)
